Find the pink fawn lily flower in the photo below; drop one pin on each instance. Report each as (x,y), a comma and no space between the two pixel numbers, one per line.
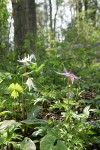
(70,75)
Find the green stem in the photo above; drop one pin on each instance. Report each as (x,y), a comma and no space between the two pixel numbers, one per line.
(23,102)
(23,99)
(2,147)
(69,90)
(68,93)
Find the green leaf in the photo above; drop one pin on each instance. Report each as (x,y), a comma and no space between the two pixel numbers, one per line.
(97,97)
(47,142)
(26,74)
(40,131)
(33,113)
(11,87)
(95,110)
(16,87)
(91,132)
(60,145)
(19,88)
(27,144)
(31,116)
(33,65)
(8,123)
(1,80)
(39,68)
(34,121)
(5,113)
(14,94)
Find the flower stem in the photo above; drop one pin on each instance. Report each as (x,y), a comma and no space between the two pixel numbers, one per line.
(69,79)
(68,92)
(23,99)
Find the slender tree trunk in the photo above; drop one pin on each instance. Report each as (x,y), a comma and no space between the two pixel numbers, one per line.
(24,14)
(85,7)
(55,18)
(91,10)
(46,13)
(50,6)
(79,10)
(94,11)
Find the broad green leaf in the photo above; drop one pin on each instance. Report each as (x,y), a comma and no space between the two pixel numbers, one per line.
(5,113)
(31,116)
(33,113)
(34,121)
(14,94)
(16,87)
(40,131)
(60,145)
(47,142)
(97,97)
(11,87)
(91,132)
(27,144)
(8,123)
(19,88)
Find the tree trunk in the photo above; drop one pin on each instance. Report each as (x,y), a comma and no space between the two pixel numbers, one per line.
(50,6)
(79,10)
(86,7)
(91,9)
(24,14)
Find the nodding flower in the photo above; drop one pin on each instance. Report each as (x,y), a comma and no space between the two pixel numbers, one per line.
(70,75)
(30,83)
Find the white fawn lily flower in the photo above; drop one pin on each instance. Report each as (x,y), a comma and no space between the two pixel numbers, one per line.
(28,59)
(30,83)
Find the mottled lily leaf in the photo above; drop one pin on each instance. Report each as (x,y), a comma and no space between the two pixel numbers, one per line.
(27,144)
